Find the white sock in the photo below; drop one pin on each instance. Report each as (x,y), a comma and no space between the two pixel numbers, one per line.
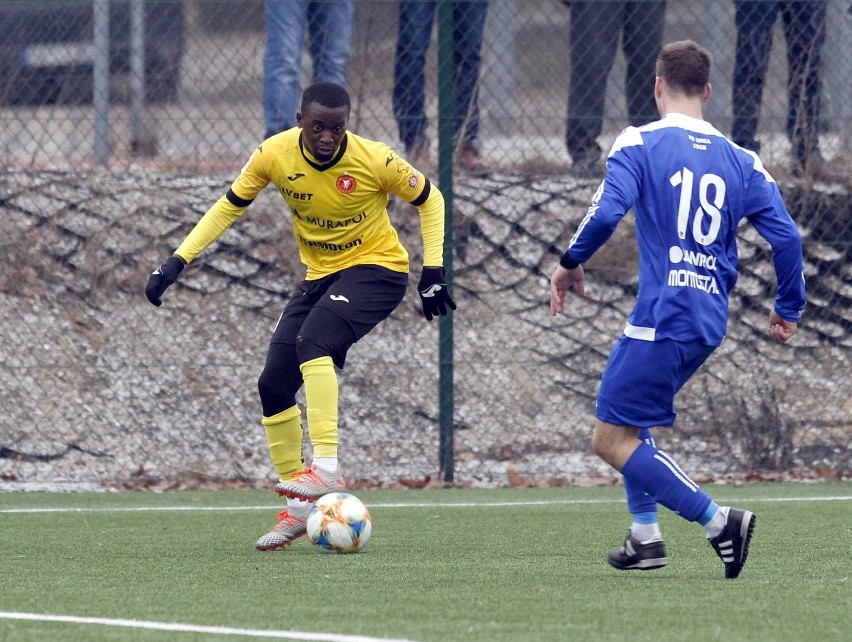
(717,523)
(644,532)
(298,507)
(328,464)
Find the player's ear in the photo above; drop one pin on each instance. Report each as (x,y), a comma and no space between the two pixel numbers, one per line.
(708,91)
(658,95)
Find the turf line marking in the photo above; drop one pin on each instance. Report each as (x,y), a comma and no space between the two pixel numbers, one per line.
(192,628)
(553,502)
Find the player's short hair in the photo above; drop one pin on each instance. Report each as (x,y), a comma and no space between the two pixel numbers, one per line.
(685,66)
(327,94)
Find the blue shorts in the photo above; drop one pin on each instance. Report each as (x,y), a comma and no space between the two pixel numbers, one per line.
(642,378)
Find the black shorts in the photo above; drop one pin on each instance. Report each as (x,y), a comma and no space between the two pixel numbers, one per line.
(362,296)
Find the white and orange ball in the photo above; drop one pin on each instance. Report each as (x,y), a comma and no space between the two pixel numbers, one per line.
(339,523)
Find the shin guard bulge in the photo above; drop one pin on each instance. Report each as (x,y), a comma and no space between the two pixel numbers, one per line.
(284,436)
(655,473)
(321,400)
(639,503)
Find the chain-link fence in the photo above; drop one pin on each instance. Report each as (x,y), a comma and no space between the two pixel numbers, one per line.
(114,144)
(201,64)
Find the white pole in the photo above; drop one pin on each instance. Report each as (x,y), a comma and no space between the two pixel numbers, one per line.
(837,69)
(100,81)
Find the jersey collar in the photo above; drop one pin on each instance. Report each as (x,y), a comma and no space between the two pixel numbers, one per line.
(676,119)
(321,167)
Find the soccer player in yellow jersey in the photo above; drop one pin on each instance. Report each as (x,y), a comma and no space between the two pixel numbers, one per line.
(336,186)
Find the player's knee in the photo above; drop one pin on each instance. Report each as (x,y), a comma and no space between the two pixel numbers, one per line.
(324,334)
(309,348)
(277,391)
(614,444)
(265,384)
(599,444)
(605,441)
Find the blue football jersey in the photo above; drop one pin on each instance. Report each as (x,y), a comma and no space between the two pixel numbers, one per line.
(690,187)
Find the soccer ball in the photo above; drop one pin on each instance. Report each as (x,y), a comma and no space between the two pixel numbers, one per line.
(339,523)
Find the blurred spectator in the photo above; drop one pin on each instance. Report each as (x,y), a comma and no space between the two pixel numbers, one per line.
(804,31)
(329,31)
(415,33)
(593,39)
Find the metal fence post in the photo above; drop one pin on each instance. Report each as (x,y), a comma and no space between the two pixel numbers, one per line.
(141,139)
(837,68)
(445,174)
(100,70)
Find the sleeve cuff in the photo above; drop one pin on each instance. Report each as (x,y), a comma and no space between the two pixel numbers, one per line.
(568,262)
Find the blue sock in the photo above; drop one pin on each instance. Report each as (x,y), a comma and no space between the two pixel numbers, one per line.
(709,513)
(639,502)
(647,436)
(653,472)
(645,518)
(641,505)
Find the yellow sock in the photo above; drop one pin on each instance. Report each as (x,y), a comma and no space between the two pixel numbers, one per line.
(284,436)
(321,400)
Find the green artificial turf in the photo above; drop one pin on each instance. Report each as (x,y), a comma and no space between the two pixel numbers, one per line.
(457,564)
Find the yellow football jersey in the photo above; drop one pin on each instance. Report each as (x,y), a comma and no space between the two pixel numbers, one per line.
(338,209)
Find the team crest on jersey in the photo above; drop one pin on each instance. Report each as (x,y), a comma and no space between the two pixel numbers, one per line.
(413,180)
(345,184)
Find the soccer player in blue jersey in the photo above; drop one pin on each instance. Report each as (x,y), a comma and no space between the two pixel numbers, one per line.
(689,187)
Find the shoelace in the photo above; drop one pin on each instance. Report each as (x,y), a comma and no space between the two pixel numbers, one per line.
(310,474)
(284,518)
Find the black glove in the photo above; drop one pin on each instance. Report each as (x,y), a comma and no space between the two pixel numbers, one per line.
(163,277)
(434,293)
